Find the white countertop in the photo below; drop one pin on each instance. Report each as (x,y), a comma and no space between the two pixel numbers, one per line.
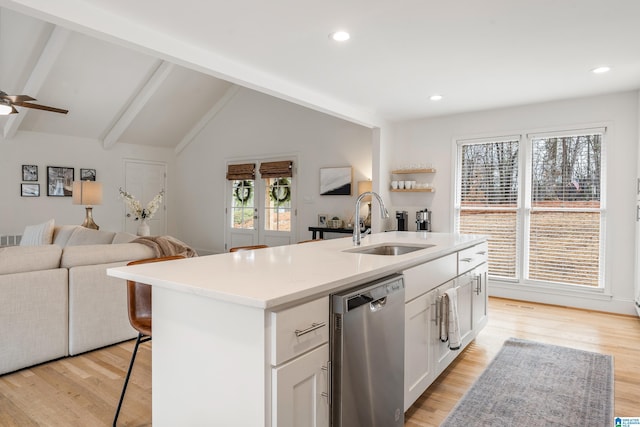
(266,278)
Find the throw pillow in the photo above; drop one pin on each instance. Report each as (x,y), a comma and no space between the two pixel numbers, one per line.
(87,236)
(62,234)
(40,234)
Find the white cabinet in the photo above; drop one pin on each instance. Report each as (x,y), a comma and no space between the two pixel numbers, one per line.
(418,363)
(299,360)
(480,296)
(442,354)
(426,355)
(300,391)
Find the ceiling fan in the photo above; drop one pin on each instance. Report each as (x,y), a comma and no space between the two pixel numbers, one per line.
(8,104)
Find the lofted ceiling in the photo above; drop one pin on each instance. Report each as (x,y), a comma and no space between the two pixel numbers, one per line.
(113,94)
(147,72)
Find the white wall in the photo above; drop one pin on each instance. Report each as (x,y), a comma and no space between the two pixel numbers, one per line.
(430,140)
(257,125)
(53,150)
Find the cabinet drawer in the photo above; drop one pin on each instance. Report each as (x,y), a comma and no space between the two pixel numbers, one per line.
(298,329)
(472,257)
(427,276)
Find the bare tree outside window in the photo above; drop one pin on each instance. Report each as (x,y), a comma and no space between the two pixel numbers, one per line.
(561,222)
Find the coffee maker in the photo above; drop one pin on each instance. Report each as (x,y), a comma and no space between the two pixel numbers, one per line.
(403,220)
(423,220)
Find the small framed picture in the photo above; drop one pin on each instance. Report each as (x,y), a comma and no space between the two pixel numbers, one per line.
(29,172)
(30,190)
(60,181)
(87,174)
(322,220)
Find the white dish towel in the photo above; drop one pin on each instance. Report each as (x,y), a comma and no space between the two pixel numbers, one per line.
(455,340)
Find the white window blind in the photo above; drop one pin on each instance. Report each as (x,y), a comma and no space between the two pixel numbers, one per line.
(565,209)
(487,199)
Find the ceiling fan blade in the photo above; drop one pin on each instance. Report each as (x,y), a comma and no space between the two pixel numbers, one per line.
(18,98)
(41,107)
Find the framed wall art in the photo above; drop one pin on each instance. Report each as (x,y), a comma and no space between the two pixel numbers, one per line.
(322,220)
(29,172)
(336,181)
(59,181)
(30,190)
(87,174)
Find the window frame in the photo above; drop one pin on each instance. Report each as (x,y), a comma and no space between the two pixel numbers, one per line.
(527,208)
(524,200)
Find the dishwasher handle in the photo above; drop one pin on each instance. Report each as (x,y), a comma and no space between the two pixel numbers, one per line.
(378,304)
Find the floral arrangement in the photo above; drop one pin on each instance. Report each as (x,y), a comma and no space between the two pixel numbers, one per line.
(135,207)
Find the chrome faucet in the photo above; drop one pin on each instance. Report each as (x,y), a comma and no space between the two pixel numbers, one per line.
(357,235)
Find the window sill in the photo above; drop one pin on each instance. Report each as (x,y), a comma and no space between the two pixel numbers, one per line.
(599,294)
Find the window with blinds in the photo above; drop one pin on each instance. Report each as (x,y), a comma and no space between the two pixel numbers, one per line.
(487,199)
(565,209)
(559,228)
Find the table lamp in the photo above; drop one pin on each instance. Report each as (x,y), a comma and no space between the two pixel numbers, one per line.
(363,187)
(89,194)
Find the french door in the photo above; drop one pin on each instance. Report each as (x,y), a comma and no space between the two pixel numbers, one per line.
(260,204)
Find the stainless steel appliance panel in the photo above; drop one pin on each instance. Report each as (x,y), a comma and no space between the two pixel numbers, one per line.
(368,355)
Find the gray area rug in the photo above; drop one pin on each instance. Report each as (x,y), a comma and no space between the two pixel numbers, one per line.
(534,384)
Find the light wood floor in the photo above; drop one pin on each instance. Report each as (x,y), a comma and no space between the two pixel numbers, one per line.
(84,390)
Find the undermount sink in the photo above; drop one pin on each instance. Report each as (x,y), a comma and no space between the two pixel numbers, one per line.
(388,249)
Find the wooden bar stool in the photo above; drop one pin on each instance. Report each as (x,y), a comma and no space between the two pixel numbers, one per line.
(139,305)
(247,248)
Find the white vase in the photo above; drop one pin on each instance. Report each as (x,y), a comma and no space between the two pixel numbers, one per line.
(143,228)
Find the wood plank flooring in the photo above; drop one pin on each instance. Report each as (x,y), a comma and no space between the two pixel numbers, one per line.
(84,390)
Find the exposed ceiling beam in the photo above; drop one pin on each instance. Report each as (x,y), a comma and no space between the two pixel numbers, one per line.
(218,106)
(48,57)
(137,104)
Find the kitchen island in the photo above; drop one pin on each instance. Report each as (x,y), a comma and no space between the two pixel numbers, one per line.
(223,325)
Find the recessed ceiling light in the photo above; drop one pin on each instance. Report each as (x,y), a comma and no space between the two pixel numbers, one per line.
(601,70)
(340,36)
(435,97)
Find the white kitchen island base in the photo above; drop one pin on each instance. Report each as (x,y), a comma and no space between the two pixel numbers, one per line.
(209,363)
(241,339)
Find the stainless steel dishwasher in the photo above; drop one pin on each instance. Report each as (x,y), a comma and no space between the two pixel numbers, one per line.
(367,355)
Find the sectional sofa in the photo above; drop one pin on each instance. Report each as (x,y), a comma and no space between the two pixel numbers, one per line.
(56,299)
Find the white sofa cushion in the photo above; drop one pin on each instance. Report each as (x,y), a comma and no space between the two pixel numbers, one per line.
(62,233)
(34,318)
(123,237)
(39,234)
(22,259)
(73,256)
(95,297)
(87,236)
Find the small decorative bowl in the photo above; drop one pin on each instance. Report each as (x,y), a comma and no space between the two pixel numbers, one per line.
(334,223)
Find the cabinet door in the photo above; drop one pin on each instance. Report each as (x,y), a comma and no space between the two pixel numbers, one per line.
(466,285)
(480,298)
(299,391)
(418,363)
(442,355)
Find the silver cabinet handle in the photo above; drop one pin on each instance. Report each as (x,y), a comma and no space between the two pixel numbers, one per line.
(466,260)
(638,213)
(481,253)
(311,328)
(478,280)
(444,318)
(327,393)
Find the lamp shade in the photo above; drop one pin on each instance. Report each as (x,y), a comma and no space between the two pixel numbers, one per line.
(88,193)
(363,187)
(5,108)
